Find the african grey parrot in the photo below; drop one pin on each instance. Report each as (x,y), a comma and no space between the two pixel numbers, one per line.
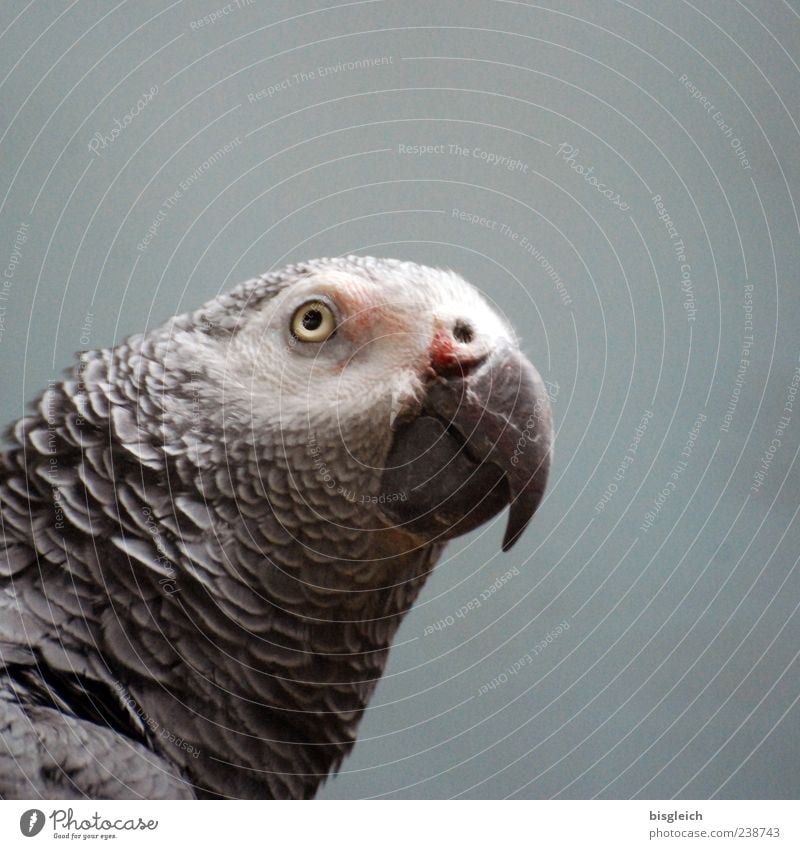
(210,533)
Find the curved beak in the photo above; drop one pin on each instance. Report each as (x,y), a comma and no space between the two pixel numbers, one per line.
(482,441)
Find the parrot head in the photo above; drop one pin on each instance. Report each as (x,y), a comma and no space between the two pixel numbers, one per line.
(393,389)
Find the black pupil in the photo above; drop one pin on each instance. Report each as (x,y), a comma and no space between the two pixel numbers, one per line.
(312,319)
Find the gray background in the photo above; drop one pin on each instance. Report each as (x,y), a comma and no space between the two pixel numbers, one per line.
(678,673)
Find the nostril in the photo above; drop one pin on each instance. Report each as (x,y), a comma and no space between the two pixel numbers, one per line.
(448,358)
(463,332)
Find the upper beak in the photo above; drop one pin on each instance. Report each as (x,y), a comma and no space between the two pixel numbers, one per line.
(483,440)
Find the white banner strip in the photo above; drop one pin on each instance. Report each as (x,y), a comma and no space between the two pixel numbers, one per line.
(403,824)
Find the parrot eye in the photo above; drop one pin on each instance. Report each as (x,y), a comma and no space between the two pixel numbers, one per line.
(313,322)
